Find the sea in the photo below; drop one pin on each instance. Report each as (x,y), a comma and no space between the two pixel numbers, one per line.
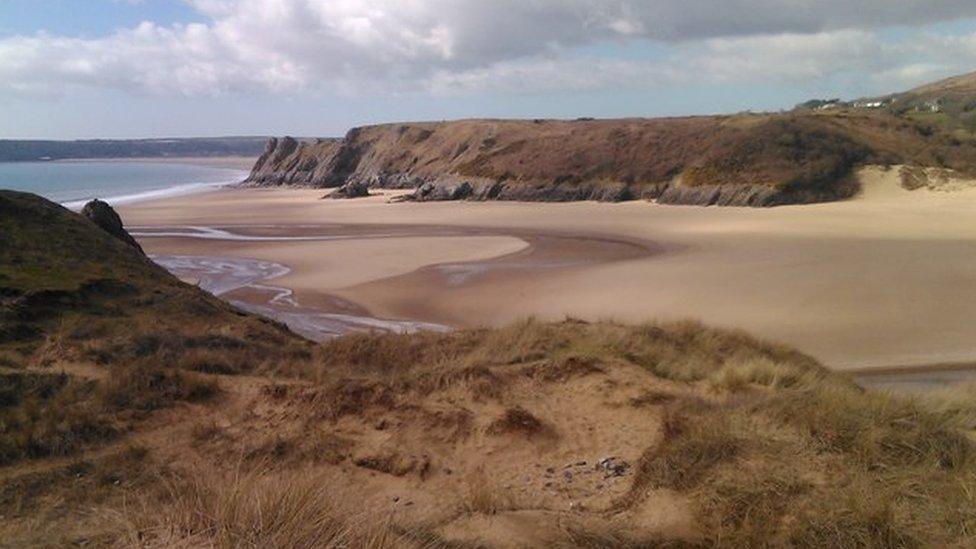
(74,183)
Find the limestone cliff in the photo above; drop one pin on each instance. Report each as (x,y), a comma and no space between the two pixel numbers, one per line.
(744,160)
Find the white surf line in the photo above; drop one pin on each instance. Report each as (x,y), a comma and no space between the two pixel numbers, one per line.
(172,191)
(220,276)
(212,233)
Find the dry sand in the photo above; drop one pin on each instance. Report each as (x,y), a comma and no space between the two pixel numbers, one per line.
(886,279)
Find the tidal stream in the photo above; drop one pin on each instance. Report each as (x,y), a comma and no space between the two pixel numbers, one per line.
(242,282)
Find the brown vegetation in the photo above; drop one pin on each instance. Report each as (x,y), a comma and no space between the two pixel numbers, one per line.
(756,160)
(217,429)
(755,443)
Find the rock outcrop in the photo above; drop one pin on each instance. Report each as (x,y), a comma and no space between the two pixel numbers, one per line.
(287,161)
(101,214)
(741,160)
(353,189)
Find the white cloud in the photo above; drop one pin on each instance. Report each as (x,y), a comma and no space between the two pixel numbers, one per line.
(456,46)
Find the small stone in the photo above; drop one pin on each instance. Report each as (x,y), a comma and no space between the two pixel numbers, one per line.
(612,467)
(396,499)
(567,476)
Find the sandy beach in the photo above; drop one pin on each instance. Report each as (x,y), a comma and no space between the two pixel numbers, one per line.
(884,280)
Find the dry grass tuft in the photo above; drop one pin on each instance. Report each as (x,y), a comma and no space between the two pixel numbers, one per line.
(45,415)
(519,421)
(815,462)
(956,403)
(484,497)
(697,437)
(254,509)
(147,388)
(353,397)
(564,369)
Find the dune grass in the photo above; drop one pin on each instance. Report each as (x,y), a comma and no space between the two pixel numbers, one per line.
(816,462)
(258,508)
(774,449)
(771,448)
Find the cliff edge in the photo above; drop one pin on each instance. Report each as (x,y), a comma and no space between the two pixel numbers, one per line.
(738,160)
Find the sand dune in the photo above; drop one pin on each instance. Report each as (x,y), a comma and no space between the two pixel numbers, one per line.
(888,278)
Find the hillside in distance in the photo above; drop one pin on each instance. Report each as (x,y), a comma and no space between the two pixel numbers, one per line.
(16,150)
(804,156)
(948,105)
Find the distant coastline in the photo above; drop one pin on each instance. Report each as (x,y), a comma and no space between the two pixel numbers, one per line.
(72,183)
(229,162)
(29,150)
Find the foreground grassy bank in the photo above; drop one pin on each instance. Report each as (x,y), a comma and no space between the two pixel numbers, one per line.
(150,414)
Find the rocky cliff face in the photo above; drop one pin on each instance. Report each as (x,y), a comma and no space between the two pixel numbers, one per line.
(743,160)
(101,214)
(287,161)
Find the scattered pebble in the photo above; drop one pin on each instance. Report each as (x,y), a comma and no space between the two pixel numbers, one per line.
(612,467)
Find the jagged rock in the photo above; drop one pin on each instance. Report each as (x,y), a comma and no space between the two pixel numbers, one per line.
(101,214)
(449,191)
(350,190)
(288,161)
(705,161)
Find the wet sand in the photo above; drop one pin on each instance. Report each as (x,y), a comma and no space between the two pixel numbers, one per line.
(887,278)
(441,256)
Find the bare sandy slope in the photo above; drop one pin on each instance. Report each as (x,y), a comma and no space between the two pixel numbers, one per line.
(888,278)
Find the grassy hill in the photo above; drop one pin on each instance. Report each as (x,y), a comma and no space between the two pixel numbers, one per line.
(136,410)
(808,155)
(945,107)
(72,295)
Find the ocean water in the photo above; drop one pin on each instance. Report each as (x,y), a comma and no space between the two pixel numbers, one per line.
(74,183)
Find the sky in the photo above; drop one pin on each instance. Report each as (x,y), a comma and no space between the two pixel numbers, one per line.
(165,68)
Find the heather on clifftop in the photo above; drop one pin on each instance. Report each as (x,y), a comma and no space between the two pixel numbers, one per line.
(745,160)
